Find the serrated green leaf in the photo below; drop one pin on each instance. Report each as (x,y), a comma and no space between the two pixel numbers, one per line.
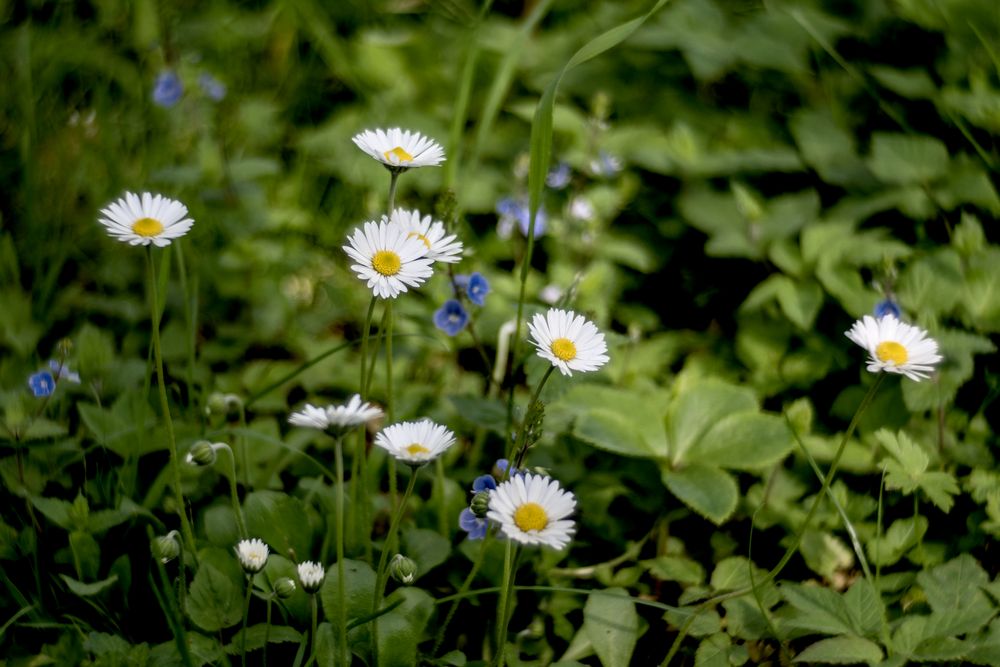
(713,651)
(904,158)
(819,610)
(864,607)
(701,406)
(708,490)
(612,625)
(843,650)
(902,536)
(954,593)
(676,568)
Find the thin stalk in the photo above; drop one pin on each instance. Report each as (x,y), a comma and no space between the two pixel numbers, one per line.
(439,483)
(522,292)
(234,496)
(391,468)
(341,589)
(360,485)
(520,444)
(502,603)
(243,446)
(461,594)
(189,318)
(393,178)
(246,614)
(312,636)
(164,403)
(267,627)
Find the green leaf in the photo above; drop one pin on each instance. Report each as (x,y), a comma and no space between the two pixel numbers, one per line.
(903,158)
(902,536)
(483,412)
(676,568)
(713,651)
(359,589)
(400,630)
(427,548)
(708,490)
(613,432)
(800,301)
(985,649)
(864,607)
(744,441)
(708,622)
(612,625)
(841,651)
(826,146)
(701,406)
(280,520)
(954,593)
(55,510)
(88,590)
(215,600)
(819,610)
(276,634)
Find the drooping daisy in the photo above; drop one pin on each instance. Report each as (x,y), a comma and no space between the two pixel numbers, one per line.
(252,555)
(311,576)
(150,219)
(569,341)
(400,149)
(388,259)
(895,347)
(415,443)
(532,509)
(441,247)
(335,417)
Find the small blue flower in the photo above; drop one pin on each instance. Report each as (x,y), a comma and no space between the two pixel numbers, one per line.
(558,178)
(473,525)
(212,87)
(42,384)
(63,372)
(168,89)
(484,483)
(477,288)
(606,165)
(451,318)
(887,307)
(502,465)
(516,211)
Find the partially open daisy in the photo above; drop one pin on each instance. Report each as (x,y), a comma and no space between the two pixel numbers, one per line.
(569,341)
(441,246)
(311,576)
(147,219)
(895,347)
(335,417)
(400,149)
(388,259)
(252,555)
(415,443)
(532,509)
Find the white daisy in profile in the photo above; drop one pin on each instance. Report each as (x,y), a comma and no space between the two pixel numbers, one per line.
(532,509)
(400,149)
(567,340)
(311,576)
(252,555)
(335,417)
(147,219)
(895,347)
(388,259)
(441,246)
(415,443)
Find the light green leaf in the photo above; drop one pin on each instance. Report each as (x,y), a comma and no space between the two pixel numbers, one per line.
(701,406)
(864,607)
(612,625)
(903,158)
(676,568)
(88,590)
(819,610)
(276,634)
(843,650)
(708,490)
(800,301)
(400,630)
(744,441)
(902,536)
(614,432)
(713,651)
(954,593)
(280,520)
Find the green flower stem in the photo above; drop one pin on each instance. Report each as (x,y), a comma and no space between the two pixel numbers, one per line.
(341,589)
(246,614)
(391,468)
(267,628)
(461,593)
(233,495)
(175,463)
(393,178)
(525,266)
(181,578)
(190,307)
(503,602)
(244,446)
(359,486)
(382,576)
(439,482)
(312,635)
(520,444)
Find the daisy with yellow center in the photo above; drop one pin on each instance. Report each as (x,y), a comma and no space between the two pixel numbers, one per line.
(146,219)
(568,341)
(387,259)
(415,443)
(533,509)
(441,246)
(895,347)
(400,149)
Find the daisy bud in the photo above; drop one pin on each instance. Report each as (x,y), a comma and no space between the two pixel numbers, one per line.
(403,569)
(480,504)
(201,454)
(284,588)
(165,548)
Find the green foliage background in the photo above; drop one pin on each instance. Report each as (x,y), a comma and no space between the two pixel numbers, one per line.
(785,165)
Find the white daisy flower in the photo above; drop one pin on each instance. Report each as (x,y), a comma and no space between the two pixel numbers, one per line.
(441,247)
(895,347)
(532,509)
(388,259)
(400,149)
(311,575)
(415,443)
(252,555)
(569,341)
(150,219)
(335,417)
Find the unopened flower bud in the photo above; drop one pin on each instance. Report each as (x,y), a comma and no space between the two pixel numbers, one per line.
(284,588)
(201,454)
(166,547)
(480,504)
(403,569)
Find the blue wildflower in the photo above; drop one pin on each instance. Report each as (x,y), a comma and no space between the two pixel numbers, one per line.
(887,307)
(477,288)
(473,525)
(605,165)
(515,211)
(42,384)
(558,177)
(451,318)
(168,89)
(212,87)
(484,483)
(63,372)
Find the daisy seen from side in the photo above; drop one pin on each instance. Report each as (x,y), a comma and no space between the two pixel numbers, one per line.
(568,341)
(533,509)
(441,246)
(895,347)
(415,443)
(400,149)
(252,555)
(146,219)
(335,417)
(311,576)
(387,259)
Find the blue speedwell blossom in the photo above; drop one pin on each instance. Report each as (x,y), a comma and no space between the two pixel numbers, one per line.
(451,318)
(473,525)
(515,211)
(558,177)
(168,89)
(212,87)
(484,483)
(887,307)
(475,286)
(605,165)
(63,372)
(42,384)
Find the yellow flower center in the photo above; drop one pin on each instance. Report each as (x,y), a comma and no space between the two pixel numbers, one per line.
(417,448)
(427,241)
(564,349)
(401,155)
(891,351)
(386,262)
(147,227)
(530,516)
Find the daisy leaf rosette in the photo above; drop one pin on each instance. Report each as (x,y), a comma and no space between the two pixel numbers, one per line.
(415,443)
(387,259)
(895,347)
(568,341)
(400,149)
(441,246)
(533,509)
(146,219)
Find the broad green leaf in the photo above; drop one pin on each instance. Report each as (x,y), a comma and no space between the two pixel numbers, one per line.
(818,610)
(701,406)
(800,301)
(613,432)
(713,651)
(427,548)
(612,625)
(901,536)
(359,590)
(483,412)
(842,650)
(903,158)
(864,608)
(954,593)
(733,574)
(86,553)
(400,630)
(276,634)
(708,490)
(826,146)
(744,441)
(280,520)
(88,590)
(55,510)
(215,600)
(981,291)
(708,622)
(676,568)
(985,649)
